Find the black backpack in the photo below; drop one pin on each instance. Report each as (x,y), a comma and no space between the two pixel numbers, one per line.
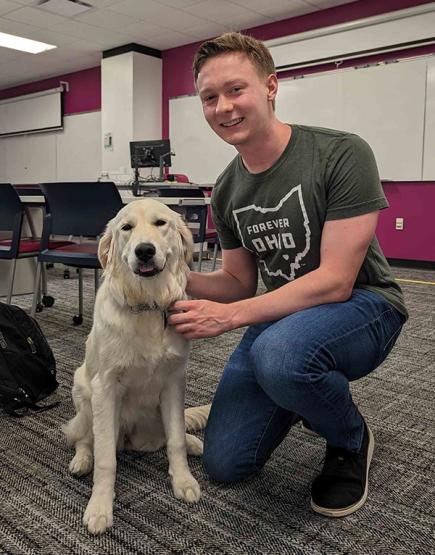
(27,364)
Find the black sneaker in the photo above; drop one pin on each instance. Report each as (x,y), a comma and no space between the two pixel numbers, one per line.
(341,488)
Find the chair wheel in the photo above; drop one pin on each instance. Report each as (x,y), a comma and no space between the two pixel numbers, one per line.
(66,274)
(39,307)
(77,320)
(47,300)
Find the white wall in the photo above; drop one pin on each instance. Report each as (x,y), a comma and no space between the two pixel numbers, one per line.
(72,154)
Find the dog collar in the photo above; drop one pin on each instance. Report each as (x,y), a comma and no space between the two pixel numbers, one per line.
(138,308)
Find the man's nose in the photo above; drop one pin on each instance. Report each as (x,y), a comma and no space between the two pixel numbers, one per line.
(224,104)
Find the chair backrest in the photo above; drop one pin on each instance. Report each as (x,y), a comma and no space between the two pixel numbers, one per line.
(11,218)
(79,208)
(195,216)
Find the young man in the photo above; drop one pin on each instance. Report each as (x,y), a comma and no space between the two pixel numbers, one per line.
(301,204)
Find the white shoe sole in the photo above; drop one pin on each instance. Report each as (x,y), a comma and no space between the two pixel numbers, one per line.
(344,511)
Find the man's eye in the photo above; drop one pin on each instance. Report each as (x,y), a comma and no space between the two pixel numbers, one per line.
(160,222)
(126,227)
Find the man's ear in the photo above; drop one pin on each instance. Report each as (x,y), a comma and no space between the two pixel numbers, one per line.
(186,239)
(105,250)
(272,86)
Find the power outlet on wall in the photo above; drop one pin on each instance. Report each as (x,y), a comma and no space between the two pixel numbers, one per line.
(399,224)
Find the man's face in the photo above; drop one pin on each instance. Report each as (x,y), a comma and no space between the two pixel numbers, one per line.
(236,99)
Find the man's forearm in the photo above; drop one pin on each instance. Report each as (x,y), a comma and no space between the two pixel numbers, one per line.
(218,286)
(317,287)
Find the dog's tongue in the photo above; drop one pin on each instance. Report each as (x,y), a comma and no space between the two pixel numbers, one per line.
(145,268)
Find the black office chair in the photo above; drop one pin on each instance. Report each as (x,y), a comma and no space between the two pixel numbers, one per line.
(81,210)
(195,215)
(13,246)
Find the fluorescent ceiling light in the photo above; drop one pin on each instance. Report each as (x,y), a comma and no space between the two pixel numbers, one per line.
(25,45)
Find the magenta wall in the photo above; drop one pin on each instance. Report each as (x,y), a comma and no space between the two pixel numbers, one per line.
(414,202)
(177,62)
(84,90)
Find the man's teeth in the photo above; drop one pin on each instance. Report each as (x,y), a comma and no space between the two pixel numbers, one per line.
(233,122)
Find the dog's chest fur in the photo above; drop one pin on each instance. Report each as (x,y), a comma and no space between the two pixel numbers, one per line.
(145,349)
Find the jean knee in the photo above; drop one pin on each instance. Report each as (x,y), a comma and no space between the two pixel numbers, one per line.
(225,464)
(280,368)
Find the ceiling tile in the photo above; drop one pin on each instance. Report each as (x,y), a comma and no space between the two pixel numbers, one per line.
(81,30)
(6,6)
(15,28)
(207,30)
(178,19)
(323,4)
(219,12)
(144,29)
(179,3)
(166,41)
(275,9)
(107,19)
(141,9)
(33,16)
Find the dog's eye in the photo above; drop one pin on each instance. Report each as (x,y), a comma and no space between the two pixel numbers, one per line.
(126,227)
(160,222)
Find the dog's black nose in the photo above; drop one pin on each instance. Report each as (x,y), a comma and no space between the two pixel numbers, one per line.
(145,251)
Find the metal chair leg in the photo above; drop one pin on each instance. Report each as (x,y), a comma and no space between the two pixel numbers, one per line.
(11,282)
(44,280)
(96,279)
(80,292)
(201,247)
(215,251)
(36,287)
(78,318)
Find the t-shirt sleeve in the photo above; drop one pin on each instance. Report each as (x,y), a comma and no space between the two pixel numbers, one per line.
(226,235)
(352,180)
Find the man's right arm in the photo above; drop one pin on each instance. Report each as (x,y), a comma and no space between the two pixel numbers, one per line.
(236,280)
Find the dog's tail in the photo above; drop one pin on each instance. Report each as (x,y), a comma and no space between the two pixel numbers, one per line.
(196,417)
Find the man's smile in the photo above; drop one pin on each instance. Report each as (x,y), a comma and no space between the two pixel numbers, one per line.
(232,123)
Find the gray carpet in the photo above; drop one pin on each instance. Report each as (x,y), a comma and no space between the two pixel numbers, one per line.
(41,505)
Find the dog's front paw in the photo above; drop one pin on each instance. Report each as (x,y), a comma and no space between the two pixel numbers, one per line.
(98,515)
(186,488)
(81,464)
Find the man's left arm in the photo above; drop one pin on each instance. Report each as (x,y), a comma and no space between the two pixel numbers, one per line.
(344,244)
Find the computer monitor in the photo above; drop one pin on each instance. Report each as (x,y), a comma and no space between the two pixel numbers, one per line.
(149,154)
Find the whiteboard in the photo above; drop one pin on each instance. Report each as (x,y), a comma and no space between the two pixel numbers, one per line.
(32,112)
(385,104)
(72,154)
(199,152)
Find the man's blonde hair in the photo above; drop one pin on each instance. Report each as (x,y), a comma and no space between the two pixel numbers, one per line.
(255,50)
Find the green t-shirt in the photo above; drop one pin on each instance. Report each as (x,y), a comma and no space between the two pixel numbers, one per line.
(279,214)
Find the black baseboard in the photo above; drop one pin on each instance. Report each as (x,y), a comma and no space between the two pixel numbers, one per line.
(421,264)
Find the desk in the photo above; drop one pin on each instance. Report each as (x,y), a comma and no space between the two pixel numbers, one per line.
(39,201)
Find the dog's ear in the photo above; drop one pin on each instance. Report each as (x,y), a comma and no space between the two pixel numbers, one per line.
(105,246)
(186,238)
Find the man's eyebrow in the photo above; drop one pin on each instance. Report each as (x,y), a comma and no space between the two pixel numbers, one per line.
(227,84)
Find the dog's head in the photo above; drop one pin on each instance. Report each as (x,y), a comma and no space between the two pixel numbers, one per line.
(145,238)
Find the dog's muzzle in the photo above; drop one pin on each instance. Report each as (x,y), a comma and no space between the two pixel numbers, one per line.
(146,266)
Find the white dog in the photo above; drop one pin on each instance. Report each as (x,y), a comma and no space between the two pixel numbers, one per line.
(129,392)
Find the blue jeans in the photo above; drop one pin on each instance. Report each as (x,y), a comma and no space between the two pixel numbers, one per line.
(299,366)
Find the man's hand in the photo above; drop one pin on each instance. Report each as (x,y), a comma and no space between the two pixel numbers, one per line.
(199,318)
